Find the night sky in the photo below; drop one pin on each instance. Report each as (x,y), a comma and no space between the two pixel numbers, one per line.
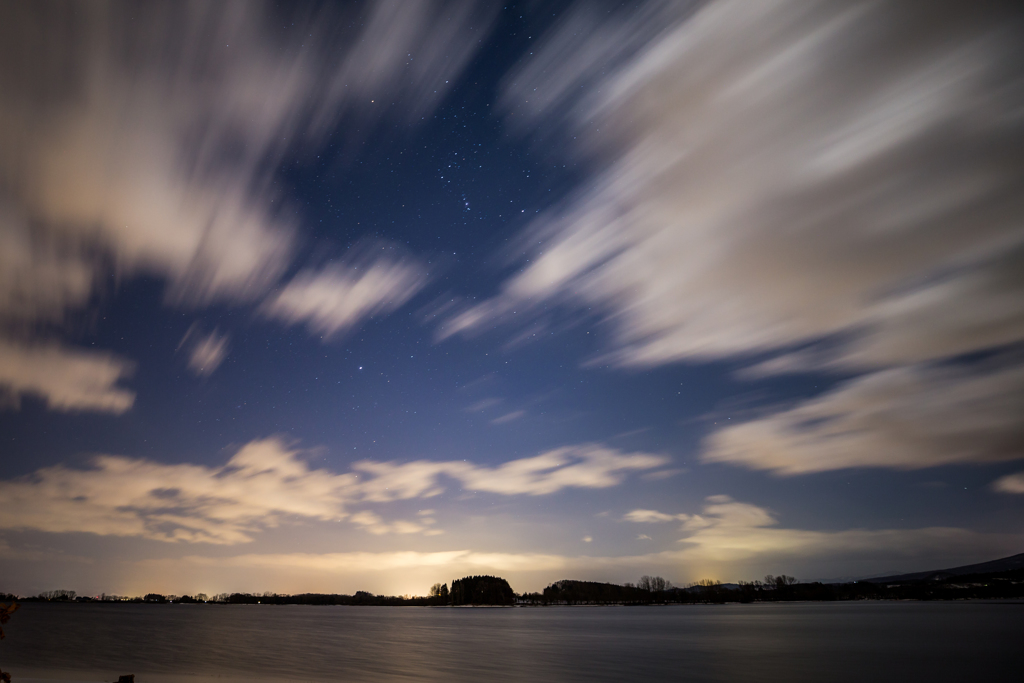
(367,296)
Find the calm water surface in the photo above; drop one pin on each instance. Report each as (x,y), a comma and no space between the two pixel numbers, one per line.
(873,641)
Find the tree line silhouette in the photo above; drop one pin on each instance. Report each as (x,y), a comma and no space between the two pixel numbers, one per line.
(492,590)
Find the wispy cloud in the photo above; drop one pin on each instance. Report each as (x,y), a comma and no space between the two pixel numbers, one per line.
(335,298)
(730,533)
(267,483)
(161,152)
(205,351)
(260,486)
(783,190)
(483,404)
(782,175)
(67,379)
(375,524)
(904,418)
(585,466)
(40,275)
(1011,483)
(648,516)
(144,140)
(508,417)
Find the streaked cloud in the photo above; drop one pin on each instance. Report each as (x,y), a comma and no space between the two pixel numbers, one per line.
(508,417)
(260,486)
(647,516)
(783,175)
(905,418)
(335,298)
(728,531)
(483,404)
(143,140)
(1011,483)
(817,174)
(205,351)
(267,483)
(40,275)
(584,466)
(68,379)
(729,535)
(372,522)
(161,152)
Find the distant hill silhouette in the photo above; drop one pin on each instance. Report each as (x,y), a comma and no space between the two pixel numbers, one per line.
(1006,564)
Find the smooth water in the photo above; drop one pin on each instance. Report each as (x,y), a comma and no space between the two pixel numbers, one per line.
(821,642)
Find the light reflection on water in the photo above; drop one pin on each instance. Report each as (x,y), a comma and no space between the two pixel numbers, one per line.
(765,643)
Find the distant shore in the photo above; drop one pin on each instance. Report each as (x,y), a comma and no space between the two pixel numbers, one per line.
(984,586)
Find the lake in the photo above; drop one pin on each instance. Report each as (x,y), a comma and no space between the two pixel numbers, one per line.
(771,643)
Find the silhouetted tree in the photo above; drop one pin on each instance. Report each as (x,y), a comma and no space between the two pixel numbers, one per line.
(531,599)
(591,592)
(57,596)
(154,597)
(481,590)
(710,590)
(748,591)
(439,593)
(654,584)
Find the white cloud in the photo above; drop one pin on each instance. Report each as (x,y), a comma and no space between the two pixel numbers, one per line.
(158,155)
(372,522)
(904,418)
(39,276)
(646,516)
(786,174)
(781,173)
(260,486)
(335,298)
(583,466)
(1011,483)
(68,379)
(730,531)
(206,352)
(742,540)
(265,483)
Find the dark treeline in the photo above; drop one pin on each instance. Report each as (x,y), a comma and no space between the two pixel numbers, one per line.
(481,590)
(780,589)
(359,598)
(491,590)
